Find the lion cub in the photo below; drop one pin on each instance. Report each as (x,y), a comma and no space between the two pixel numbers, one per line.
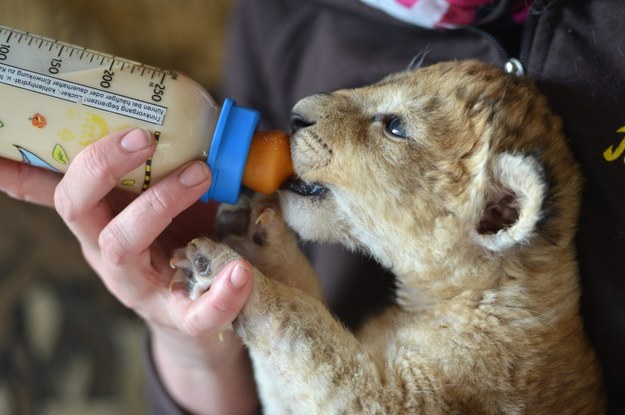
(457,178)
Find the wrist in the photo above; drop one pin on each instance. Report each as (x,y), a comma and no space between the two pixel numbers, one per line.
(204,375)
(210,352)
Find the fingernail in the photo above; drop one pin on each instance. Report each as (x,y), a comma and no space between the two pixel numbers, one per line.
(239,276)
(136,140)
(195,174)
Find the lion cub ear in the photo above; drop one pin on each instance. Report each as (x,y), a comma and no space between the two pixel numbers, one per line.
(513,204)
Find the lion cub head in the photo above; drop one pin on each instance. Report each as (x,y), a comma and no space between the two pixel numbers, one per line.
(431,171)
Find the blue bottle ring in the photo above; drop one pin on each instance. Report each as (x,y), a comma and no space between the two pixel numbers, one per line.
(228,151)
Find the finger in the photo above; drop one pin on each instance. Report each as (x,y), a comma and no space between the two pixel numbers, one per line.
(136,228)
(221,304)
(28,183)
(80,196)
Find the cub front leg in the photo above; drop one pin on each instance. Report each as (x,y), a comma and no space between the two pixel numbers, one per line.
(257,231)
(305,361)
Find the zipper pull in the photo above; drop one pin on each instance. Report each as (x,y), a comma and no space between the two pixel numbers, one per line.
(515,67)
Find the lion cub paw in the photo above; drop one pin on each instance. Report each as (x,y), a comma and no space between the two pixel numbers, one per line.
(198,263)
(255,229)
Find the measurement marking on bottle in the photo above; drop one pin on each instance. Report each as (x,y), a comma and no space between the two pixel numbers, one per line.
(85,95)
(55,61)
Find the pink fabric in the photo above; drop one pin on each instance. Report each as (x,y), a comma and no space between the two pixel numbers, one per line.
(451,13)
(461,13)
(407,3)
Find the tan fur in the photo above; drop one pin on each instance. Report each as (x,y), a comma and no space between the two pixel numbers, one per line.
(474,211)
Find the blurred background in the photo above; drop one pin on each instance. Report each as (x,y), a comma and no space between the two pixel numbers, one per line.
(66,345)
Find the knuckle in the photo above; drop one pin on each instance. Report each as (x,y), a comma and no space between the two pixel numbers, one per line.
(160,201)
(64,205)
(112,247)
(193,326)
(224,308)
(99,163)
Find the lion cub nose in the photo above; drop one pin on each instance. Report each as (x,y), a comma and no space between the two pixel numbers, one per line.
(298,122)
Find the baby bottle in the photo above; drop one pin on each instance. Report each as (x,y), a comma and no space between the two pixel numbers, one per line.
(56,98)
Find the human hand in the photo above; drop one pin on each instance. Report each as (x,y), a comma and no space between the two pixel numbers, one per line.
(128,241)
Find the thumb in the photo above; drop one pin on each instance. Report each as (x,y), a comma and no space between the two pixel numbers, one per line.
(223,302)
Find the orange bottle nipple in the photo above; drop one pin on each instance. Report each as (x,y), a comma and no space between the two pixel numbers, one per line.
(268,162)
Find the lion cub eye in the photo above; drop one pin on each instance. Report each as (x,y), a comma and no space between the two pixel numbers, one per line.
(395,126)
